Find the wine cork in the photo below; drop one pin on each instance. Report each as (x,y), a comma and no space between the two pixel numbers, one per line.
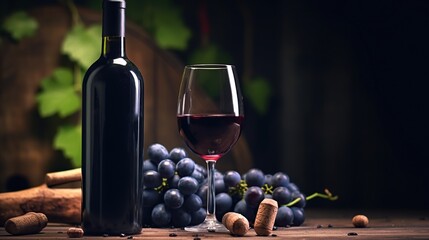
(236,223)
(57,178)
(75,232)
(266,217)
(28,223)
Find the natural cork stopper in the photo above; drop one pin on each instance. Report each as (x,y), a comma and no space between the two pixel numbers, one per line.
(236,223)
(28,223)
(266,217)
(75,232)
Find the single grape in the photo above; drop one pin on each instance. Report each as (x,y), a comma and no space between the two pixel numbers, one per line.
(192,203)
(280,180)
(185,167)
(202,193)
(161,216)
(157,153)
(255,177)
(150,197)
(198,216)
(180,218)
(152,179)
(253,196)
(198,176)
(166,168)
(282,195)
(148,165)
(302,202)
(231,178)
(298,216)
(173,198)
(188,185)
(201,169)
(219,185)
(284,217)
(248,212)
(223,203)
(218,175)
(174,181)
(268,179)
(177,154)
(292,187)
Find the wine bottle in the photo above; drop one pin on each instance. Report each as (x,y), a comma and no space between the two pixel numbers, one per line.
(112,134)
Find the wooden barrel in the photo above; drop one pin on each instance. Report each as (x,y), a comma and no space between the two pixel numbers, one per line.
(26,139)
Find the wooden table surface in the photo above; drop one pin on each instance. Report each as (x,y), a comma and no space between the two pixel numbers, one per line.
(319,224)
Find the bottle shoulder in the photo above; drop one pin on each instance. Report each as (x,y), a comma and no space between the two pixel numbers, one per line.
(112,66)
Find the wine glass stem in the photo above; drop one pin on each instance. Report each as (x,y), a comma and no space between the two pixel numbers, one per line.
(211,195)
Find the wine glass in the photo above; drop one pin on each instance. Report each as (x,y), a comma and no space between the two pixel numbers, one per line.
(209,117)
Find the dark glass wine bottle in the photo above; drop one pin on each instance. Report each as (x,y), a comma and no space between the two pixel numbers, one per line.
(112,134)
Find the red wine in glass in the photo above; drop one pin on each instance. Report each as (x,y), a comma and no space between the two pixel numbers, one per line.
(209,118)
(210,135)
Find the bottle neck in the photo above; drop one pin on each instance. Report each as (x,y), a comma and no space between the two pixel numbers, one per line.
(113,44)
(113,47)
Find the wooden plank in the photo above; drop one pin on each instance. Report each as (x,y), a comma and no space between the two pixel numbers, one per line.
(383,225)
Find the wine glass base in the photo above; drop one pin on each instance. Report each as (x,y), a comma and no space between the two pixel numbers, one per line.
(208,226)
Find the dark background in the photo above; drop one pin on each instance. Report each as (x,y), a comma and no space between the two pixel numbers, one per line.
(348,109)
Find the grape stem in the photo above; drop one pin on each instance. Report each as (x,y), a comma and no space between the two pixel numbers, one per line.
(328,195)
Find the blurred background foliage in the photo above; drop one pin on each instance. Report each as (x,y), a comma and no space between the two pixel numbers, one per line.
(164,20)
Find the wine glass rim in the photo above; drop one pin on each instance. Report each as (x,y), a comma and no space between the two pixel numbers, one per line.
(210,66)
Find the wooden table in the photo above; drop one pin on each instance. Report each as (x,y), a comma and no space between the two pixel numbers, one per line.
(319,224)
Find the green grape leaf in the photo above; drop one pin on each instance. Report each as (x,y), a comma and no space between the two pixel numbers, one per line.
(20,25)
(258,91)
(171,32)
(58,95)
(163,20)
(68,139)
(83,44)
(209,54)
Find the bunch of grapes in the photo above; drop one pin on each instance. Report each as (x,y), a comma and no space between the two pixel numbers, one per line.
(254,186)
(171,182)
(175,191)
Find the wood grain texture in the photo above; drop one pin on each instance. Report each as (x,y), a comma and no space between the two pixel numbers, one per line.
(383,225)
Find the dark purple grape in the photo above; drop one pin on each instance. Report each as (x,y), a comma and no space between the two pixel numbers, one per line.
(268,179)
(302,202)
(219,186)
(180,218)
(223,203)
(298,216)
(161,216)
(185,167)
(150,197)
(174,181)
(177,154)
(282,195)
(152,179)
(188,185)
(157,153)
(148,165)
(284,217)
(255,177)
(231,178)
(173,198)
(280,180)
(253,196)
(202,193)
(198,216)
(166,168)
(248,212)
(201,169)
(192,203)
(292,187)
(198,176)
